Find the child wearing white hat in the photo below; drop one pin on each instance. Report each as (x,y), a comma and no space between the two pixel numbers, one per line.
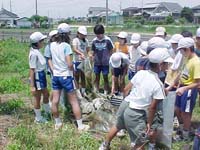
(38,82)
(62,68)
(134,53)
(81,49)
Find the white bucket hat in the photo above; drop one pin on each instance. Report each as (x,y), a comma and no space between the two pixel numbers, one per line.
(63,28)
(52,33)
(159,55)
(143,48)
(160,31)
(82,30)
(186,42)
(36,37)
(175,38)
(198,32)
(135,38)
(122,35)
(157,42)
(115,60)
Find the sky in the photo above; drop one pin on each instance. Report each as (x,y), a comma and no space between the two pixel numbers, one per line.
(76,8)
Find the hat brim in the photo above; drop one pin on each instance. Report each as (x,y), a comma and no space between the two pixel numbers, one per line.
(43,37)
(160,33)
(142,51)
(173,41)
(169,60)
(116,65)
(134,42)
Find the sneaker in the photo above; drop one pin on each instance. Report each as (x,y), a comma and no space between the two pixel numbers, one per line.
(84,94)
(41,120)
(121,133)
(104,146)
(176,123)
(84,128)
(58,126)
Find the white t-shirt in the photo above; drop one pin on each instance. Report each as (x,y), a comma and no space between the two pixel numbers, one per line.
(81,46)
(146,86)
(58,53)
(134,55)
(36,60)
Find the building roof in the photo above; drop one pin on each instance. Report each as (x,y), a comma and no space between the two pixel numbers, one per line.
(130,8)
(196,7)
(23,18)
(172,7)
(150,5)
(4,11)
(97,9)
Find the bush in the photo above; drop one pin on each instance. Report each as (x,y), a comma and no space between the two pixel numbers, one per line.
(10,85)
(10,106)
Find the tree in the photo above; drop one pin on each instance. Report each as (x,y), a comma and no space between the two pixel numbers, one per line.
(39,21)
(187,14)
(169,20)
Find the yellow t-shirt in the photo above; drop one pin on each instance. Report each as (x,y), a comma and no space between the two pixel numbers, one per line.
(191,71)
(120,48)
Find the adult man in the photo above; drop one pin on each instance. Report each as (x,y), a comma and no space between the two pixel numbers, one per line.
(189,81)
(146,90)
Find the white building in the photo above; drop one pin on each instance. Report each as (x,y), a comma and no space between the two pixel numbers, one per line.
(7,18)
(23,23)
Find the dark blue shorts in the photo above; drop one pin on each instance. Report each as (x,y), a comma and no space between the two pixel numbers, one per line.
(66,83)
(40,80)
(76,65)
(186,102)
(103,69)
(118,71)
(131,74)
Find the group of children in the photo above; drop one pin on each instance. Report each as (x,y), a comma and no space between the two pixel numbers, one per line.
(161,73)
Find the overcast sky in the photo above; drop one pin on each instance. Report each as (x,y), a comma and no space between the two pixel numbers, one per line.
(69,8)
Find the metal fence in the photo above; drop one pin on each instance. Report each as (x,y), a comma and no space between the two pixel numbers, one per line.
(24,36)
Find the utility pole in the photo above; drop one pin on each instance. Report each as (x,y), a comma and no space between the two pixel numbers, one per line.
(36,8)
(106,13)
(10,5)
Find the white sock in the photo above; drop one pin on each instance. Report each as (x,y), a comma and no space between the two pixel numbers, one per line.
(185,134)
(50,104)
(80,123)
(105,92)
(82,90)
(38,115)
(47,108)
(58,120)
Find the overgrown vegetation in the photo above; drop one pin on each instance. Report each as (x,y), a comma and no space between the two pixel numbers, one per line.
(11,106)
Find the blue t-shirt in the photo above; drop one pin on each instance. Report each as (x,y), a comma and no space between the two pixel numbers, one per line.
(102,51)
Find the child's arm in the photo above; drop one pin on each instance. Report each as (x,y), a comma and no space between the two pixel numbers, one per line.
(69,62)
(32,79)
(50,64)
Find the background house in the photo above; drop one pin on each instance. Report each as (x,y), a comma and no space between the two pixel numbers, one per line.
(23,23)
(7,18)
(165,9)
(196,12)
(130,11)
(98,14)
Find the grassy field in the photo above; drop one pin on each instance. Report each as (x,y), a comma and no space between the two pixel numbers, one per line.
(16,112)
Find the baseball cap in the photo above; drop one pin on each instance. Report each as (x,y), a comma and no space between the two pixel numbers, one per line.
(159,55)
(82,30)
(52,33)
(160,31)
(63,28)
(122,35)
(157,42)
(135,38)
(115,60)
(198,32)
(36,37)
(186,42)
(143,48)
(175,38)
